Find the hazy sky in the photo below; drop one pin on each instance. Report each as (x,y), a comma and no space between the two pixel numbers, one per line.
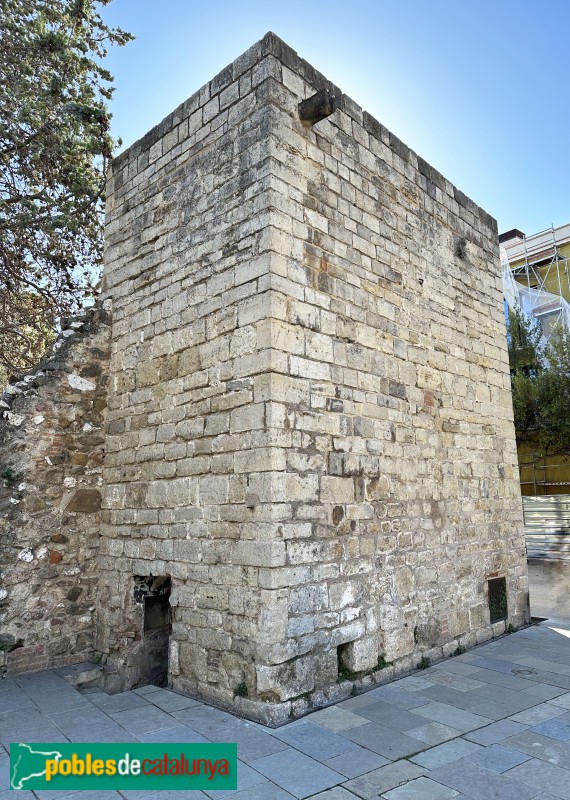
(479,89)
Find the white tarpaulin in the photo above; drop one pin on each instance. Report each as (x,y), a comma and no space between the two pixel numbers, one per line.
(537,304)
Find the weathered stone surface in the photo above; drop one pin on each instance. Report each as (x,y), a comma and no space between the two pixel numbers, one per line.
(320,389)
(86,501)
(287,680)
(47,554)
(309,426)
(360,655)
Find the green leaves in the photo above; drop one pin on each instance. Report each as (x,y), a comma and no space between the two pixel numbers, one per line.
(540,382)
(54,150)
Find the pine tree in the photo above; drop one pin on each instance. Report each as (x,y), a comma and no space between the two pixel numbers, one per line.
(54,149)
(554,393)
(540,382)
(525,361)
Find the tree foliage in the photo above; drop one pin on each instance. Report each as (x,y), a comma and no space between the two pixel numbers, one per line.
(540,382)
(525,362)
(54,149)
(554,394)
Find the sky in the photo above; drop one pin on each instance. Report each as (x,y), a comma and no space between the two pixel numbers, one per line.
(478,88)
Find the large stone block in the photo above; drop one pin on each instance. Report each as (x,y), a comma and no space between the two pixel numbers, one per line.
(284,681)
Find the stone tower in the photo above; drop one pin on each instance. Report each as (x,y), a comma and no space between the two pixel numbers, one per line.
(310,466)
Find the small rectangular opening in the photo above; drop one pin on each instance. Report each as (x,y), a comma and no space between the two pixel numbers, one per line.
(157,612)
(152,595)
(498,599)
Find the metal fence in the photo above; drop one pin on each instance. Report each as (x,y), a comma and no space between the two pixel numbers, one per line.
(547,526)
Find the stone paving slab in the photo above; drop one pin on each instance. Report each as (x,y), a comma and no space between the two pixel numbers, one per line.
(247,779)
(144,720)
(434,733)
(498,758)
(338,793)
(446,753)
(421,789)
(513,700)
(491,709)
(454,717)
(477,726)
(111,703)
(396,696)
(542,747)
(392,717)
(314,741)
(357,762)
(509,681)
(543,691)
(297,773)
(387,743)
(481,784)
(554,729)
(30,726)
(562,700)
(546,777)
(169,701)
(263,791)
(336,719)
(150,795)
(446,694)
(495,732)
(383,779)
(252,743)
(79,725)
(181,733)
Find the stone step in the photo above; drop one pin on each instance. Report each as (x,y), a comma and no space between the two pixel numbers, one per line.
(84,675)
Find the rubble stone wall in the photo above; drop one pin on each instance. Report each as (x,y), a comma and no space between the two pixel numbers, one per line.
(310,424)
(52,432)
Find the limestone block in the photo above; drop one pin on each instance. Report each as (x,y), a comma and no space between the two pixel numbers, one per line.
(326,668)
(284,681)
(337,490)
(378,488)
(360,655)
(306,599)
(86,501)
(344,594)
(349,632)
(259,554)
(305,368)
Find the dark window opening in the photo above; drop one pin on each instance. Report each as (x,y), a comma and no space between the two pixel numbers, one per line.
(157,612)
(153,594)
(498,599)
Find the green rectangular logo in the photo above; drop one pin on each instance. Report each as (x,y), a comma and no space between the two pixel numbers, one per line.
(119,766)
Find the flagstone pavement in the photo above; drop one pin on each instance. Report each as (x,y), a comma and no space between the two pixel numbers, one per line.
(491,723)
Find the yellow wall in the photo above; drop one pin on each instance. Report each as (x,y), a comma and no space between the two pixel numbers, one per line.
(551,275)
(552,473)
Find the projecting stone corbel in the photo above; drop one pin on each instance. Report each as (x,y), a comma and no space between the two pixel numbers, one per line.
(317,107)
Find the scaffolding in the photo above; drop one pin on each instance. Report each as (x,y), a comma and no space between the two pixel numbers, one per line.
(540,285)
(536,281)
(542,474)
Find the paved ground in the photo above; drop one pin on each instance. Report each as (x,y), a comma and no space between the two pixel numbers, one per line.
(549,580)
(492,723)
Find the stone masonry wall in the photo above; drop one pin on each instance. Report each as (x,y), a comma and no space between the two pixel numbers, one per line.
(396,385)
(51,452)
(188,268)
(310,425)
